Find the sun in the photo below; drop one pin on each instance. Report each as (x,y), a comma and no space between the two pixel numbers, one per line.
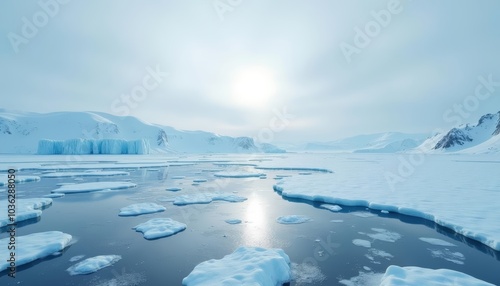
(253,87)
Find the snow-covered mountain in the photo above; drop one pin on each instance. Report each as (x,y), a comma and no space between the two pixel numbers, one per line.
(21,132)
(483,137)
(389,142)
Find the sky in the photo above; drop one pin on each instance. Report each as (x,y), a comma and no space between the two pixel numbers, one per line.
(312,70)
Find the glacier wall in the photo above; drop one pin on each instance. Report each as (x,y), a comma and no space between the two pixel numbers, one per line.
(92,146)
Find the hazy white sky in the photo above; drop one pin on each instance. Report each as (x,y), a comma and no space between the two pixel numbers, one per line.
(340,68)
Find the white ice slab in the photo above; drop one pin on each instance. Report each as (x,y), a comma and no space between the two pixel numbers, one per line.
(238,175)
(333,208)
(33,246)
(93,264)
(25,209)
(245,266)
(292,219)
(93,187)
(141,208)
(205,198)
(454,194)
(4,179)
(160,227)
(85,174)
(416,276)
(54,195)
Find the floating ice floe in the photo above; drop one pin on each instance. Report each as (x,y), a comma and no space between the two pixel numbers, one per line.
(199,180)
(362,242)
(333,208)
(93,187)
(293,219)
(206,198)
(321,170)
(76,258)
(93,264)
(173,189)
(238,175)
(436,241)
(85,174)
(33,246)
(4,179)
(383,235)
(141,208)
(416,276)
(307,273)
(25,209)
(159,227)
(178,177)
(233,221)
(54,195)
(245,266)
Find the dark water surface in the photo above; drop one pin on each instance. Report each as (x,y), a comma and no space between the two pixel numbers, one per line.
(92,219)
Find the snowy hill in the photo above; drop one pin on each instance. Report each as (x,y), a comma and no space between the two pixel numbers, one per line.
(21,133)
(372,143)
(483,137)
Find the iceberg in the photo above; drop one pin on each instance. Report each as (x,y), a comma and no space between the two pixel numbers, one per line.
(93,146)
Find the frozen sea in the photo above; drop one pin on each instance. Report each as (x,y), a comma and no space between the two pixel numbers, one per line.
(332,247)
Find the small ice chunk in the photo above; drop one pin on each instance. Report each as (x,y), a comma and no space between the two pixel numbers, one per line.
(333,208)
(293,219)
(173,189)
(436,241)
(93,187)
(93,264)
(178,177)
(337,220)
(416,276)
(245,266)
(367,268)
(33,246)
(160,227)
(141,208)
(199,180)
(228,198)
(233,221)
(76,258)
(362,242)
(384,211)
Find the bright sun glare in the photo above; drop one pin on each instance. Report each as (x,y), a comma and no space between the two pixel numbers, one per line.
(253,87)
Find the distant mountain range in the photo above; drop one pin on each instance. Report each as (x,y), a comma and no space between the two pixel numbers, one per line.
(389,142)
(21,132)
(482,137)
